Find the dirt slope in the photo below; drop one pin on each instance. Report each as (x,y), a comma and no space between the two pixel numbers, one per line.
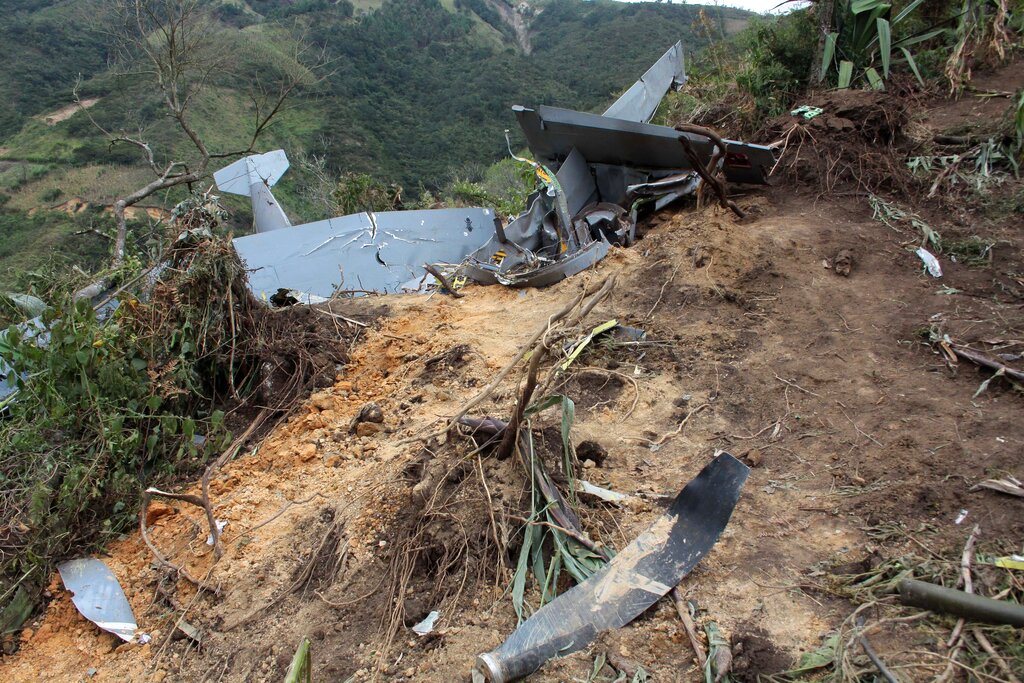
(865,444)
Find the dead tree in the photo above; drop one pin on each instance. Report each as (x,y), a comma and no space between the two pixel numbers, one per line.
(171,43)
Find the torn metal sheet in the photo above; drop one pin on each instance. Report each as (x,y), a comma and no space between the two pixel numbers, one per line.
(636,578)
(641,101)
(610,221)
(427,625)
(98,596)
(552,133)
(543,245)
(577,182)
(665,190)
(376,252)
(930,262)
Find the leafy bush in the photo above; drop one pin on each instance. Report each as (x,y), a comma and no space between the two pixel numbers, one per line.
(503,186)
(357,192)
(778,61)
(88,428)
(51,195)
(112,401)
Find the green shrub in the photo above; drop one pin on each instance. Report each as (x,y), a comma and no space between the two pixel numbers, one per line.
(51,195)
(778,61)
(87,430)
(357,192)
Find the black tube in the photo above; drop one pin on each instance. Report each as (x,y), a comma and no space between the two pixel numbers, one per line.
(974,607)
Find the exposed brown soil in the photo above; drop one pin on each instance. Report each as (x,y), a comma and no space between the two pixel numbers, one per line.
(826,384)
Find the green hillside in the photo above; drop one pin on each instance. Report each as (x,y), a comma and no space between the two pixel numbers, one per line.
(417,87)
(416,91)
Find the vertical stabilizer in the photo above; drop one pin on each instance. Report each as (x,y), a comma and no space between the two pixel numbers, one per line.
(254,176)
(641,101)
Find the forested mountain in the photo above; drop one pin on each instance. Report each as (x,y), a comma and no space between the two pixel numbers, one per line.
(417,86)
(414,91)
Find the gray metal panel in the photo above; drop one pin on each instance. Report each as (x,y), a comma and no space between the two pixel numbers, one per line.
(378,252)
(552,133)
(98,596)
(577,182)
(641,101)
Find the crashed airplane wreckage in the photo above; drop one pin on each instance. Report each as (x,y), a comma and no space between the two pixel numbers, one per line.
(593,172)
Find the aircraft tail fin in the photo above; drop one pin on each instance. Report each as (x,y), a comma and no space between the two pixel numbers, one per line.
(264,169)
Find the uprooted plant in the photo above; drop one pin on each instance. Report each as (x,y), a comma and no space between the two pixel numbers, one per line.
(112,400)
(458,531)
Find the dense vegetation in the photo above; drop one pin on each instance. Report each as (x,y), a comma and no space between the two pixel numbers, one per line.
(416,88)
(45,50)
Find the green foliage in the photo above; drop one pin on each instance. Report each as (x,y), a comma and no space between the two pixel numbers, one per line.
(28,243)
(53,194)
(301,668)
(504,186)
(778,61)
(415,90)
(46,46)
(984,35)
(863,42)
(488,14)
(357,192)
(109,403)
(548,550)
(86,430)
(973,251)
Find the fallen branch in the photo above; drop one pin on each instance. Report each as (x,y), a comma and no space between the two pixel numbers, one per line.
(200,502)
(873,656)
(486,392)
(986,361)
(707,174)
(93,231)
(678,430)
(350,321)
(691,628)
(445,282)
(539,352)
(966,559)
(161,558)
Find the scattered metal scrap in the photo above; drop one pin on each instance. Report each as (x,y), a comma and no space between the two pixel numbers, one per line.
(636,578)
(592,172)
(98,596)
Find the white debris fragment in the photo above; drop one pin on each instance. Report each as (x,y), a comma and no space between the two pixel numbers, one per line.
(220,527)
(961,517)
(427,625)
(932,263)
(604,494)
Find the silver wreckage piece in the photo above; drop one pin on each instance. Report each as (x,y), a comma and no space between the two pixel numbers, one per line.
(98,596)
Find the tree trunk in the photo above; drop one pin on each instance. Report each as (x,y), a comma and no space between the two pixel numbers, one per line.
(122,233)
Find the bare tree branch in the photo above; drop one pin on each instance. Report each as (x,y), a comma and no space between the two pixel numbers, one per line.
(173,43)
